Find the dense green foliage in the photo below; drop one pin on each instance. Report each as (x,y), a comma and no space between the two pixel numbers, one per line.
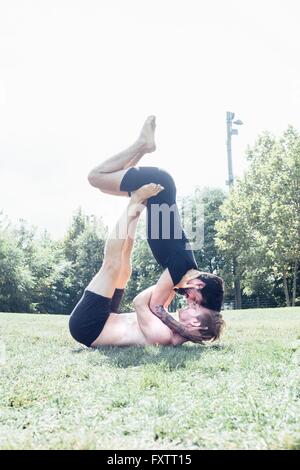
(38,274)
(260,224)
(251,236)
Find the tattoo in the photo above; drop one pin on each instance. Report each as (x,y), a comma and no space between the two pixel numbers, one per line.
(175,326)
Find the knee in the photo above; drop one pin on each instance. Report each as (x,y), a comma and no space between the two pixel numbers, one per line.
(95,178)
(92,178)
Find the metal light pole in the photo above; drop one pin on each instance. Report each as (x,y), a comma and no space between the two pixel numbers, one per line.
(230,133)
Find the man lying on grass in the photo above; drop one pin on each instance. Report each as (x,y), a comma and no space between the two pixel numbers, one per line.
(95,320)
(119,175)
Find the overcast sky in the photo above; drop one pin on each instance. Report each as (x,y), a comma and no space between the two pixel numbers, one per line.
(78,78)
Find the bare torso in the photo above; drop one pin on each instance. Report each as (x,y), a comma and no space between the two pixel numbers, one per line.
(124,330)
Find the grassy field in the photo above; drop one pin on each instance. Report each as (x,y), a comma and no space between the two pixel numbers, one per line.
(241,393)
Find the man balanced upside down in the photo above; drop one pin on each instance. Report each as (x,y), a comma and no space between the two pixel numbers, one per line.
(95,320)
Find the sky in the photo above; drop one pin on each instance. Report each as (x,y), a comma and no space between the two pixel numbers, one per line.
(79,77)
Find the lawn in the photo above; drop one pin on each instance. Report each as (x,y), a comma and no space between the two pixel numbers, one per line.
(241,393)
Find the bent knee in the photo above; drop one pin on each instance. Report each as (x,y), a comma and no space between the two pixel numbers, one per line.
(95,179)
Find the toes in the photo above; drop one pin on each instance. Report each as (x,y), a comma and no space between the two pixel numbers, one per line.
(157,189)
(152,119)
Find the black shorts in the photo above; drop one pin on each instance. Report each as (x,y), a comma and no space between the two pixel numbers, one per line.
(88,318)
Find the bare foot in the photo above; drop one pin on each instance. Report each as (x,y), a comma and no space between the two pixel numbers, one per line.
(146,191)
(146,137)
(145,142)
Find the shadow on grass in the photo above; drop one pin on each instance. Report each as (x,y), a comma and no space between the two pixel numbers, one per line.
(167,356)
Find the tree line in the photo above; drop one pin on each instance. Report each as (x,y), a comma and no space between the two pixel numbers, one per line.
(251,239)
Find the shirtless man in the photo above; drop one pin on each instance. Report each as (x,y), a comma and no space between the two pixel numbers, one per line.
(119,176)
(95,320)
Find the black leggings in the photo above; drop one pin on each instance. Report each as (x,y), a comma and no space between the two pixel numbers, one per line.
(161,240)
(136,177)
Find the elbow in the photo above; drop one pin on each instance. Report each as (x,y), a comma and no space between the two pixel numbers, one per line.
(152,305)
(140,301)
(136,301)
(143,298)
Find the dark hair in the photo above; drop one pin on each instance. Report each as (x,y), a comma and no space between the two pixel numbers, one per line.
(212,292)
(212,325)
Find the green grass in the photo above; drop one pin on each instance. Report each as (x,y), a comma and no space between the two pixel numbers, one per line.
(241,393)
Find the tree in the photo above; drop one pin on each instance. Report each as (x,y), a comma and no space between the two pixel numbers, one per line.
(16,280)
(260,223)
(83,249)
(209,257)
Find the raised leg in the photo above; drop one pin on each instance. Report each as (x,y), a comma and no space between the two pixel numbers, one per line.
(108,175)
(119,244)
(126,268)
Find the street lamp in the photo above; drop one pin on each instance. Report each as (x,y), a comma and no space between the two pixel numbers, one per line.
(231,132)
